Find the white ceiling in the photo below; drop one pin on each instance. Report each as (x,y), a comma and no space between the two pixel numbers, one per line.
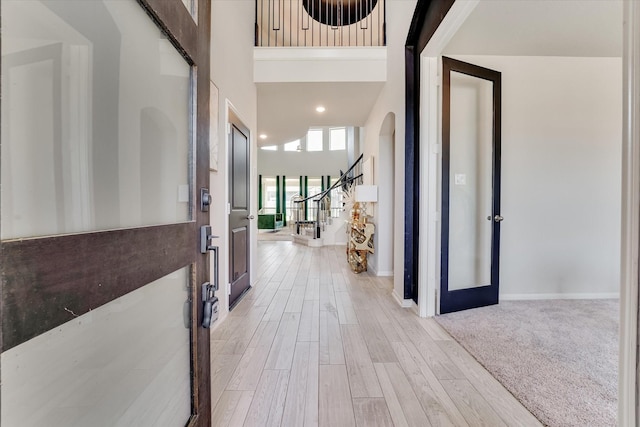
(541,28)
(495,27)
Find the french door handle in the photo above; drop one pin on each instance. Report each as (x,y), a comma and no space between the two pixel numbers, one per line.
(250,217)
(496,218)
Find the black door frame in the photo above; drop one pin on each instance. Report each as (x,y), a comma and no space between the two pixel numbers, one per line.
(51,278)
(426,19)
(463,299)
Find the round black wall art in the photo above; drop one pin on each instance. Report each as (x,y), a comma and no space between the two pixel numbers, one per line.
(339,12)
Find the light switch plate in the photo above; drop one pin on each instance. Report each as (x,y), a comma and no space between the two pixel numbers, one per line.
(460,179)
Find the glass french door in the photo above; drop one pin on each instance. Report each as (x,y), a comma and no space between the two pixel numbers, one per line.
(470,186)
(102,161)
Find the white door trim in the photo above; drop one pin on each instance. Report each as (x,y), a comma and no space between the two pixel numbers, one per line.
(629,373)
(430,157)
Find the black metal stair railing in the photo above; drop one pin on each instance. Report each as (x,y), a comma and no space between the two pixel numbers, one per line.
(320,23)
(352,176)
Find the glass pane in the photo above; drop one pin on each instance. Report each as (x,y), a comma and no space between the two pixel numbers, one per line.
(292,188)
(314,186)
(336,199)
(192,7)
(95,119)
(268,195)
(470,182)
(240,170)
(125,363)
(338,139)
(292,146)
(314,140)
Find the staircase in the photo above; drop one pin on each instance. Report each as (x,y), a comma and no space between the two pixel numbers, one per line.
(324,230)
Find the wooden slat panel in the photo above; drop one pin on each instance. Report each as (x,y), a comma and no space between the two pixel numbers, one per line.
(49,281)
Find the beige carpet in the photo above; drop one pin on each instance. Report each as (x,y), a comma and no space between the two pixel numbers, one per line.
(558,357)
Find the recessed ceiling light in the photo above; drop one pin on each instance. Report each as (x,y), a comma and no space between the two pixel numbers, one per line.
(320,109)
(263,136)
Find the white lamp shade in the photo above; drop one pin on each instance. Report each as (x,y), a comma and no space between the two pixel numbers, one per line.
(366,193)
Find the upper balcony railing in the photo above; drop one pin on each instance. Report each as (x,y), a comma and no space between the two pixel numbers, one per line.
(325,23)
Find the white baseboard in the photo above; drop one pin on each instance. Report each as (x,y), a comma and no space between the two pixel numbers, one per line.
(404,303)
(522,297)
(385,273)
(372,268)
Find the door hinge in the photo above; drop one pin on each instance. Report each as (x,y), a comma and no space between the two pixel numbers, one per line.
(228,128)
(228,208)
(228,288)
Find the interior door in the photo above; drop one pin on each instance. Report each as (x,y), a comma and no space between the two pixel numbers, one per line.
(240,216)
(104,143)
(471,217)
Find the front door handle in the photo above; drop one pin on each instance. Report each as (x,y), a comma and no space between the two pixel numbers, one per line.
(496,218)
(250,217)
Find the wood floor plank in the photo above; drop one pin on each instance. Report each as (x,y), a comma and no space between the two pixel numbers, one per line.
(411,407)
(327,298)
(240,413)
(395,409)
(313,289)
(311,402)
(290,277)
(266,407)
(438,362)
(372,412)
(249,369)
(310,321)
(335,404)
(264,335)
(331,349)
(438,406)
(296,300)
(297,391)
(379,347)
(217,346)
(339,284)
(231,408)
(267,294)
(222,368)
(346,313)
(282,349)
(362,375)
(434,330)
(277,305)
(509,408)
(279,397)
(242,336)
(475,409)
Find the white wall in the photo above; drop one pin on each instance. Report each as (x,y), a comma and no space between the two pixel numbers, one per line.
(392,99)
(384,166)
(561,169)
(232,23)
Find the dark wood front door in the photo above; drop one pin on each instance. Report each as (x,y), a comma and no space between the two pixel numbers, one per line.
(240,216)
(471,144)
(105,135)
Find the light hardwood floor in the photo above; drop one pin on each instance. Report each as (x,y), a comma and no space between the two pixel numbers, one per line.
(313,344)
